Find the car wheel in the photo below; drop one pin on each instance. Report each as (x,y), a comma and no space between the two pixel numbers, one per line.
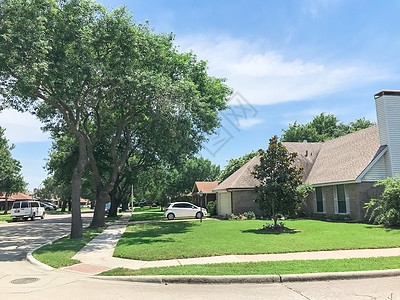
(198,215)
(25,218)
(33,217)
(170,216)
(42,217)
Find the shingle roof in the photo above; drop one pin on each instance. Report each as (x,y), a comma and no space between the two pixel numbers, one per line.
(205,186)
(338,160)
(242,178)
(16,196)
(344,158)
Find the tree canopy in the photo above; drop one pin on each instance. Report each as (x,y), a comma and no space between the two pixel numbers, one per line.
(278,192)
(322,128)
(117,87)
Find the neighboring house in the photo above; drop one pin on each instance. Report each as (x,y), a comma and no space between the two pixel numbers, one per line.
(207,188)
(11,199)
(342,171)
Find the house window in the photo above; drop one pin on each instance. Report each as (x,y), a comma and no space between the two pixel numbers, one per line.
(319,200)
(342,203)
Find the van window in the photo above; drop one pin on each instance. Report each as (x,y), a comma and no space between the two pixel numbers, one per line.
(24,204)
(34,204)
(16,204)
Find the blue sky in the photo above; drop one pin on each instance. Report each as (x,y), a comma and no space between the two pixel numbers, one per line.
(288,60)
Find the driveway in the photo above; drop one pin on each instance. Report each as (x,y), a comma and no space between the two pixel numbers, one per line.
(19,238)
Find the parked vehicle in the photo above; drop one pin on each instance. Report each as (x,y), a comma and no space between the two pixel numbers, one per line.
(184,209)
(146,203)
(47,206)
(108,206)
(27,209)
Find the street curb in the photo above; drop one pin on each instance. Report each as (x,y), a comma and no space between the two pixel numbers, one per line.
(34,261)
(196,279)
(339,275)
(243,279)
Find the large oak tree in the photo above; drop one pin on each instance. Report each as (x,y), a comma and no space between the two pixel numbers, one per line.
(120,89)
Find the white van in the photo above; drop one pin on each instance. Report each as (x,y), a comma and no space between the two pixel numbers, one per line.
(27,209)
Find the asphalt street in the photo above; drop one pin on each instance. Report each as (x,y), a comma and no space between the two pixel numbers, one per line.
(20,237)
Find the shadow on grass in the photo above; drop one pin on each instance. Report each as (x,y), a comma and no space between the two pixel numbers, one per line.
(147,216)
(395,229)
(261,231)
(154,233)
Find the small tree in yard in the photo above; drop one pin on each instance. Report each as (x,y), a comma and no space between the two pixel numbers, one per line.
(11,180)
(279,179)
(386,209)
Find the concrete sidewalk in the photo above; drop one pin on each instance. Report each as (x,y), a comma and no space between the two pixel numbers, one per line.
(96,256)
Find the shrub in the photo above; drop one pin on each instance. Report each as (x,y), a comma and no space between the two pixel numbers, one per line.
(386,209)
(234,217)
(212,208)
(250,215)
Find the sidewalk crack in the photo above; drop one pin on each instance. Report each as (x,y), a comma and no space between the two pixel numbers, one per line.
(297,292)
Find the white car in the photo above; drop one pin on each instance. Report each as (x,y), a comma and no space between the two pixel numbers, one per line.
(27,209)
(184,209)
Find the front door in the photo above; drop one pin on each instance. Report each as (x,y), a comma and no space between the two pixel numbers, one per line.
(225,206)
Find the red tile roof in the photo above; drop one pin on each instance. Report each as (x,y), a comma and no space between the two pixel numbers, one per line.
(205,186)
(15,196)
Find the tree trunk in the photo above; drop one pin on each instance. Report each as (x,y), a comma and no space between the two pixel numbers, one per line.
(114,203)
(99,212)
(6,203)
(274,216)
(64,205)
(76,186)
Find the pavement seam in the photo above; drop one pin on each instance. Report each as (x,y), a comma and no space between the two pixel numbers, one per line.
(297,292)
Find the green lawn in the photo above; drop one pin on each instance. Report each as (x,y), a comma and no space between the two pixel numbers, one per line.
(169,240)
(147,213)
(4,218)
(270,268)
(59,253)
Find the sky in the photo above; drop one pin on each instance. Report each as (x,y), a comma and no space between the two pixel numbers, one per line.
(286,61)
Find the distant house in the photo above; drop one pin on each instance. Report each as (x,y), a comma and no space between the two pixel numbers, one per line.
(342,171)
(11,199)
(207,188)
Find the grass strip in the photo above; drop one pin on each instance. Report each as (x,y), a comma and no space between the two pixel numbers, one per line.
(5,217)
(268,267)
(147,213)
(60,253)
(172,240)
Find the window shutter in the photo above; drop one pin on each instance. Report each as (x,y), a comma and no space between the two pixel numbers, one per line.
(335,199)
(347,200)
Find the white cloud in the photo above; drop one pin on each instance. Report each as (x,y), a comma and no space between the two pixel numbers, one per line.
(264,76)
(21,127)
(312,7)
(305,116)
(247,123)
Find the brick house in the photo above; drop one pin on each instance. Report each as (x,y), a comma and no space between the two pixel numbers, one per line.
(343,171)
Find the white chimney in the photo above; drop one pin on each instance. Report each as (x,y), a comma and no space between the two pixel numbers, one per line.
(388,116)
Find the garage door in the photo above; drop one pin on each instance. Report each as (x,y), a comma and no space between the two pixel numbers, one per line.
(224,206)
